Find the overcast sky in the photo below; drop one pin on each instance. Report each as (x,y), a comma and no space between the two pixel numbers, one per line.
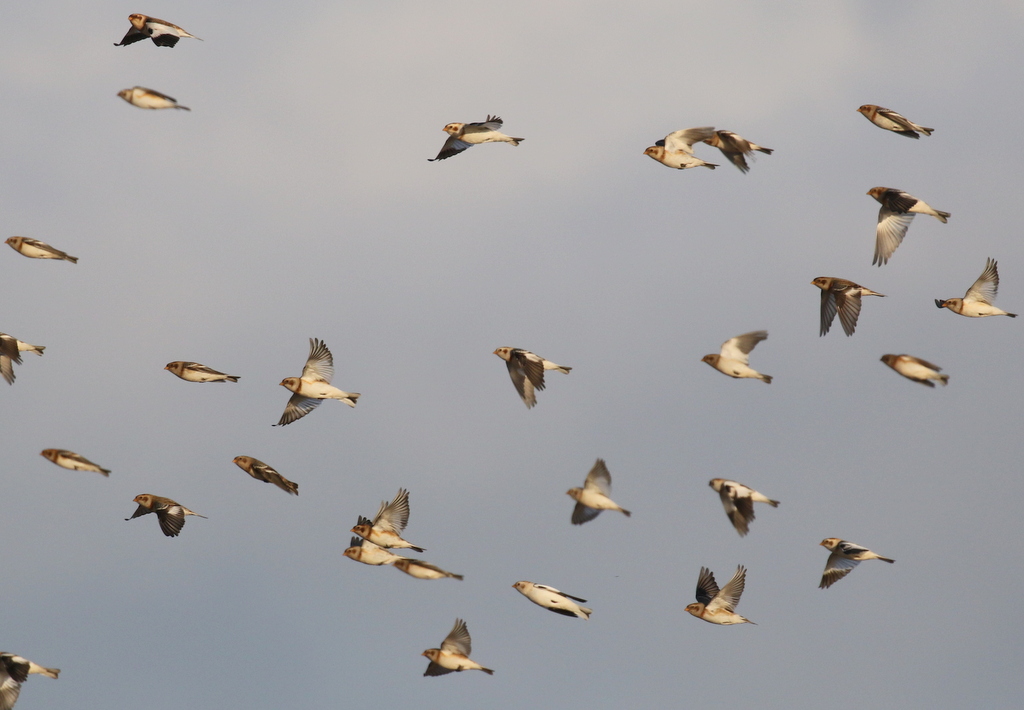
(295,200)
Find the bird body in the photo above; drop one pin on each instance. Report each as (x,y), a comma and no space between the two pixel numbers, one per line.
(264,472)
(977,302)
(15,670)
(162,32)
(423,570)
(169,513)
(388,523)
(35,249)
(715,605)
(194,372)
(362,550)
(314,386)
(894,218)
(916,369)
(527,372)
(845,556)
(465,135)
(738,501)
(733,360)
(453,654)
(593,497)
(10,355)
(553,600)
(676,149)
(72,461)
(892,121)
(142,97)
(842,297)
(735,148)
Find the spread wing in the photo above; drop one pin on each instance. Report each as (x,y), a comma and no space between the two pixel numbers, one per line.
(555,591)
(583,514)
(522,381)
(298,407)
(132,37)
(836,568)
(683,140)
(452,146)
(394,516)
(458,639)
(172,519)
(707,587)
(892,227)
(491,123)
(434,669)
(729,596)
(739,509)
(849,310)
(320,364)
(739,348)
(599,478)
(828,310)
(987,285)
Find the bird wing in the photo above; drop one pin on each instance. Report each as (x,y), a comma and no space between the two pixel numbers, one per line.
(434,669)
(141,510)
(896,118)
(892,227)
(521,382)
(492,123)
(849,310)
(165,40)
(452,146)
(172,519)
(532,366)
(739,348)
(707,587)
(583,514)
(393,516)
(133,36)
(683,140)
(828,310)
(729,596)
(555,591)
(458,639)
(599,478)
(836,568)
(298,407)
(987,285)
(319,364)
(740,510)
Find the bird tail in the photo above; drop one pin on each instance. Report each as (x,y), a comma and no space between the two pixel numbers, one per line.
(773,503)
(766,151)
(72,259)
(38,349)
(767,379)
(563,369)
(183,108)
(420,549)
(48,672)
(1012,315)
(709,165)
(626,512)
(351,399)
(886,559)
(105,472)
(943,216)
(926,131)
(515,141)
(488,671)
(232,378)
(944,379)
(586,612)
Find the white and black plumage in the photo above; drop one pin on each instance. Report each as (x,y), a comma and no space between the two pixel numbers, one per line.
(465,135)
(162,32)
(842,297)
(894,218)
(527,371)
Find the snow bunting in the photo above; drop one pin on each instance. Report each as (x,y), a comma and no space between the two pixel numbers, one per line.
(676,149)
(194,372)
(9,355)
(24,347)
(162,32)
(362,550)
(738,501)
(15,670)
(977,302)
(892,121)
(716,606)
(553,600)
(894,218)
(72,461)
(35,249)
(735,148)
(593,497)
(314,386)
(734,358)
(842,296)
(916,369)
(527,371)
(845,556)
(466,135)
(148,98)
(388,523)
(423,570)
(263,472)
(169,513)
(453,654)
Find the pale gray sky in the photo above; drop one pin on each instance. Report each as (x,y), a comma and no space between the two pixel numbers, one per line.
(295,200)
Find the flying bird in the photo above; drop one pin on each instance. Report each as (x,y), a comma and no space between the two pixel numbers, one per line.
(716,605)
(162,32)
(465,135)
(423,570)
(916,369)
(676,149)
(362,550)
(72,461)
(842,296)
(891,121)
(264,472)
(894,218)
(386,527)
(594,496)
(314,386)
(35,249)
(738,501)
(15,670)
(194,372)
(845,556)
(735,147)
(453,654)
(977,302)
(10,355)
(527,372)
(169,513)
(734,358)
(148,98)
(553,600)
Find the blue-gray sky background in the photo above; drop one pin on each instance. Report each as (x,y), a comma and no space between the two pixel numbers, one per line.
(296,201)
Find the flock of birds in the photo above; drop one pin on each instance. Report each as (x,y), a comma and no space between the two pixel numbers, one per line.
(375,538)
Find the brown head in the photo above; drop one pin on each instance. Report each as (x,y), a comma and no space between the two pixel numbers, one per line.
(822,282)
(890,359)
(574,493)
(137,20)
(361,530)
(830,542)
(655,151)
(697,609)
(866,109)
(291,383)
(144,499)
(710,359)
(50,454)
